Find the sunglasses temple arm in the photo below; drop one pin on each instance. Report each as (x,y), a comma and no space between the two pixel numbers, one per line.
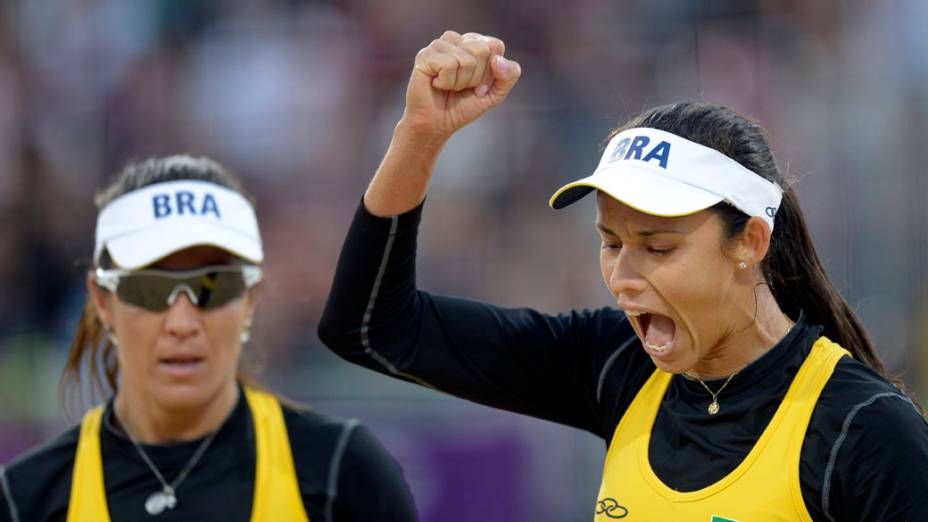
(251,275)
(106,279)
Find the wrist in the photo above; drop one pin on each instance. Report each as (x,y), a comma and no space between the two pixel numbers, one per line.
(421,136)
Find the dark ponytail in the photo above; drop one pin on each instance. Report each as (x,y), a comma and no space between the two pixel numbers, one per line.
(792,267)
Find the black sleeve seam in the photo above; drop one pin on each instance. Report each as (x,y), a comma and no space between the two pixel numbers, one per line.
(5,486)
(368,312)
(829,469)
(606,367)
(335,466)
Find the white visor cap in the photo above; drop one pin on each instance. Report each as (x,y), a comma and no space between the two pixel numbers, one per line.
(155,221)
(662,174)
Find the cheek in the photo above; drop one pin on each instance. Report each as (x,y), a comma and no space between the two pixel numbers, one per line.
(604,269)
(137,333)
(693,288)
(223,329)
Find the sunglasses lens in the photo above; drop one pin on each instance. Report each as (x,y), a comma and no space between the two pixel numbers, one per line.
(156,291)
(146,291)
(214,289)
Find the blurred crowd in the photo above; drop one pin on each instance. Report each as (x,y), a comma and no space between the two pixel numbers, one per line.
(300,99)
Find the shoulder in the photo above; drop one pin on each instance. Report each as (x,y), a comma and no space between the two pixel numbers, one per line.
(872,442)
(305,422)
(324,443)
(855,389)
(598,323)
(604,333)
(857,402)
(870,412)
(620,367)
(869,405)
(40,479)
(342,459)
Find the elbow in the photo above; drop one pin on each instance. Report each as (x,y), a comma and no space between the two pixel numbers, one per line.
(340,338)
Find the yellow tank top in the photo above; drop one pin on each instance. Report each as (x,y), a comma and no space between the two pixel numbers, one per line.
(763,487)
(277,492)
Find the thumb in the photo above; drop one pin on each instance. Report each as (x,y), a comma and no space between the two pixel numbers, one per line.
(506,73)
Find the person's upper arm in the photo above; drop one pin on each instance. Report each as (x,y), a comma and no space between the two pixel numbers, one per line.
(370,483)
(878,466)
(547,366)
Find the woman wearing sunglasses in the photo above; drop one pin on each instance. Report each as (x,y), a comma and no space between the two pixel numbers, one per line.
(187,434)
(732,382)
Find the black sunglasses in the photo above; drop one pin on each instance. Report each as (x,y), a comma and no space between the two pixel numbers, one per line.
(155,290)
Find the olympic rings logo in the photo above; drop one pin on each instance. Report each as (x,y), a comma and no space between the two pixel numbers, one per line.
(611,508)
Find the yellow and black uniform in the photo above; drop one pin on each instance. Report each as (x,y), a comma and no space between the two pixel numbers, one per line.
(803,433)
(266,463)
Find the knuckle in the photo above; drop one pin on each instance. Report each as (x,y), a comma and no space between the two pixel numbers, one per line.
(497,45)
(448,67)
(479,49)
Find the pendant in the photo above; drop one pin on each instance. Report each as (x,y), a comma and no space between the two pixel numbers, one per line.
(713,407)
(161,500)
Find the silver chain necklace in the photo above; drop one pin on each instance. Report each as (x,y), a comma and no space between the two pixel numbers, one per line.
(158,501)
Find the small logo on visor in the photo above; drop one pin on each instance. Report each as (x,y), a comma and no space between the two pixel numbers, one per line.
(772,212)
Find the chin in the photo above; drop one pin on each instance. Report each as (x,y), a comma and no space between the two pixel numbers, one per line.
(670,366)
(673,363)
(183,396)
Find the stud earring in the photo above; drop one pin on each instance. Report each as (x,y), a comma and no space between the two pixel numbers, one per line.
(742,265)
(111,335)
(245,334)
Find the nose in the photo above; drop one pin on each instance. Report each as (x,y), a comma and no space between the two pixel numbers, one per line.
(182,319)
(621,277)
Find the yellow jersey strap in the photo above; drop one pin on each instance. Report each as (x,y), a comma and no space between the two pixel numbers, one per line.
(88,496)
(277,491)
(763,486)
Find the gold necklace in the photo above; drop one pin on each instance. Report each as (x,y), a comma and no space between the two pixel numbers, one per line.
(714,405)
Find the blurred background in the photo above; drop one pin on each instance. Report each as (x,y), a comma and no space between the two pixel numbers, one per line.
(300,98)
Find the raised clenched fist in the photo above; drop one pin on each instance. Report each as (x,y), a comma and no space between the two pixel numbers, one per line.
(455,80)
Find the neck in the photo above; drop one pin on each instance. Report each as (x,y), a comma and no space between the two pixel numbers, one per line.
(152,422)
(755,332)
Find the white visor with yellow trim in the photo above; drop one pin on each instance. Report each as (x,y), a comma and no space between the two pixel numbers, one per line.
(155,221)
(662,174)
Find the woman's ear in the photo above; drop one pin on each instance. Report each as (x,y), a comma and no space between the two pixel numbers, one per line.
(754,242)
(101,302)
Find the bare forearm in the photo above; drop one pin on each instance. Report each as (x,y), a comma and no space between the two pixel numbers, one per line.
(402,180)
(455,80)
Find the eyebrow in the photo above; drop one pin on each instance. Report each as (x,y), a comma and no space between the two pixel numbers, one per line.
(641,233)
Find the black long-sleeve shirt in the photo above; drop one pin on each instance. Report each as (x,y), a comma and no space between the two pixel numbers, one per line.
(865,453)
(343,472)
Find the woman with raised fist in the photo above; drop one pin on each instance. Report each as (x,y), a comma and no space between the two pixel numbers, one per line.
(731,381)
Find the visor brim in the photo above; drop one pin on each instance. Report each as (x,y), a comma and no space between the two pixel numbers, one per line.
(640,189)
(143,247)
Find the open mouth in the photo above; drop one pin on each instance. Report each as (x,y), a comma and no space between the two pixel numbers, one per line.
(657,332)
